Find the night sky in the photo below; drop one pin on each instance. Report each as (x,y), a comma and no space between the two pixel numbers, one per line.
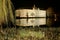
(42,4)
(39,3)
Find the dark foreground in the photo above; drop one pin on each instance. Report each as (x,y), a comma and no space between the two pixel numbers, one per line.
(22,33)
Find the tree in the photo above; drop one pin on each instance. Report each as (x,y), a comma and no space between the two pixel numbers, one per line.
(6,12)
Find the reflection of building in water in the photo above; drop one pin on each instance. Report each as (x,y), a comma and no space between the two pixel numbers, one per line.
(35,17)
(30,17)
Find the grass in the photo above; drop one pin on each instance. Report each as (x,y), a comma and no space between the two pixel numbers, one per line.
(30,34)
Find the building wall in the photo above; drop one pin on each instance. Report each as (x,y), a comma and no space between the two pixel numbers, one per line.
(31,17)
